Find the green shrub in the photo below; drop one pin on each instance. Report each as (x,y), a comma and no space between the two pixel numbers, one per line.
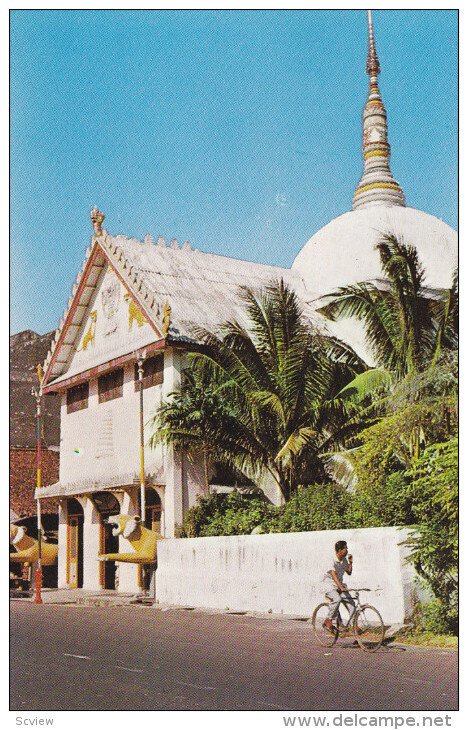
(234,513)
(385,503)
(434,491)
(437,618)
(316,507)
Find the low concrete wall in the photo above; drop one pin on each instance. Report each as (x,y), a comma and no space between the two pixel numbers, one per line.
(281,573)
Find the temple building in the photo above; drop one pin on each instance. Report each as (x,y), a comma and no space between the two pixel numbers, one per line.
(144,300)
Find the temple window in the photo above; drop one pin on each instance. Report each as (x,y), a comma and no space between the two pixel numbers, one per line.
(110,385)
(77,397)
(153,372)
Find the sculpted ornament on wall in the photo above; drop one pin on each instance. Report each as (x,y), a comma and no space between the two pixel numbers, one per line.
(88,339)
(166,323)
(134,313)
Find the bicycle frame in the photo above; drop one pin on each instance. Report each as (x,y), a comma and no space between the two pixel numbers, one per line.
(354,602)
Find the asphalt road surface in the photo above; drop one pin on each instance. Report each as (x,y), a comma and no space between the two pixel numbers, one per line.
(140,658)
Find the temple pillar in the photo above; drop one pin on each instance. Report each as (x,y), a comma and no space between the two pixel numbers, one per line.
(62,545)
(91,546)
(173,493)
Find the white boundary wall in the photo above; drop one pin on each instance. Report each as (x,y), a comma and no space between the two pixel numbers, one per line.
(281,573)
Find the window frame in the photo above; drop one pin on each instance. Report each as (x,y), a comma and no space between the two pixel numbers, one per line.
(78,404)
(106,393)
(156,377)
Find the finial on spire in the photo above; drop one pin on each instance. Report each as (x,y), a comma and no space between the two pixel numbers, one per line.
(377,185)
(373,65)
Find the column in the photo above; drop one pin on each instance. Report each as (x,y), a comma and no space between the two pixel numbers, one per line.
(173,493)
(62,545)
(91,546)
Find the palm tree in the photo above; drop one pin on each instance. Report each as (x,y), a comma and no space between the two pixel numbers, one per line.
(188,420)
(405,323)
(273,381)
(407,329)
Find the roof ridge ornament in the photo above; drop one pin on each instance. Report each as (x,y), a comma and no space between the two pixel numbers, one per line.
(377,184)
(97,219)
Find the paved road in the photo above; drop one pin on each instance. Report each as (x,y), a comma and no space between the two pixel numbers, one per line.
(140,658)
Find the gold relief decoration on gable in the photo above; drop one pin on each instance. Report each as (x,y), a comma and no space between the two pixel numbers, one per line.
(88,339)
(166,319)
(134,313)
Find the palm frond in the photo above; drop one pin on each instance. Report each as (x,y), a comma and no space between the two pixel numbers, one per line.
(340,467)
(295,443)
(365,384)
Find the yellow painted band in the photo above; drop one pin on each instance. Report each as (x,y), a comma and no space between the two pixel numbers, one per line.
(375,153)
(372,186)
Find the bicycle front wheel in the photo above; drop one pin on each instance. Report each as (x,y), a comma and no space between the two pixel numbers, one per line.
(323,635)
(369,628)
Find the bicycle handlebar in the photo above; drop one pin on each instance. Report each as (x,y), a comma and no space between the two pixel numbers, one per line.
(357,590)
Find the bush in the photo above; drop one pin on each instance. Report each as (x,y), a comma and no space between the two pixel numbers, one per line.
(234,513)
(434,490)
(385,503)
(316,507)
(437,618)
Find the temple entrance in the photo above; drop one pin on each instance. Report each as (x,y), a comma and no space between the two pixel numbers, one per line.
(107,505)
(153,510)
(74,544)
(152,522)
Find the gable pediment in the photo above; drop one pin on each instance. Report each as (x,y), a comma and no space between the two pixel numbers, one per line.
(104,321)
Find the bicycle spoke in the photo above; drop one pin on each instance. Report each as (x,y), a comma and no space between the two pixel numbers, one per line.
(369,628)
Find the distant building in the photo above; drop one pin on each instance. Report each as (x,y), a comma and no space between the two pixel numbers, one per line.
(148,296)
(344,251)
(27,350)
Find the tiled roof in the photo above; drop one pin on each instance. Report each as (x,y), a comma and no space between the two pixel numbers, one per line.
(202,289)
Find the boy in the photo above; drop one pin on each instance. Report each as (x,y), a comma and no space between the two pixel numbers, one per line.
(333,579)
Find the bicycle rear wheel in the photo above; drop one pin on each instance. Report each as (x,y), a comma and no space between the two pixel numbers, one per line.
(369,628)
(323,635)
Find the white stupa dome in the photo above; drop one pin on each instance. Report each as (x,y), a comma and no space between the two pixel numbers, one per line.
(343,252)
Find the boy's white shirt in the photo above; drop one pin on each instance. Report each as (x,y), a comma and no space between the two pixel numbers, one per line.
(340,567)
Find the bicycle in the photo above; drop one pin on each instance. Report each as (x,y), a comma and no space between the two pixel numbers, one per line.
(364,620)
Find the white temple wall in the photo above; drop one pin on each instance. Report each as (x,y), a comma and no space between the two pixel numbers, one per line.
(173,468)
(103,440)
(282,573)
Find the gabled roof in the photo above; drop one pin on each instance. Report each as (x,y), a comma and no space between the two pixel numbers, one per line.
(201,289)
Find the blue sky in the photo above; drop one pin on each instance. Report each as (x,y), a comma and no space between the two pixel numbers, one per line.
(237,130)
